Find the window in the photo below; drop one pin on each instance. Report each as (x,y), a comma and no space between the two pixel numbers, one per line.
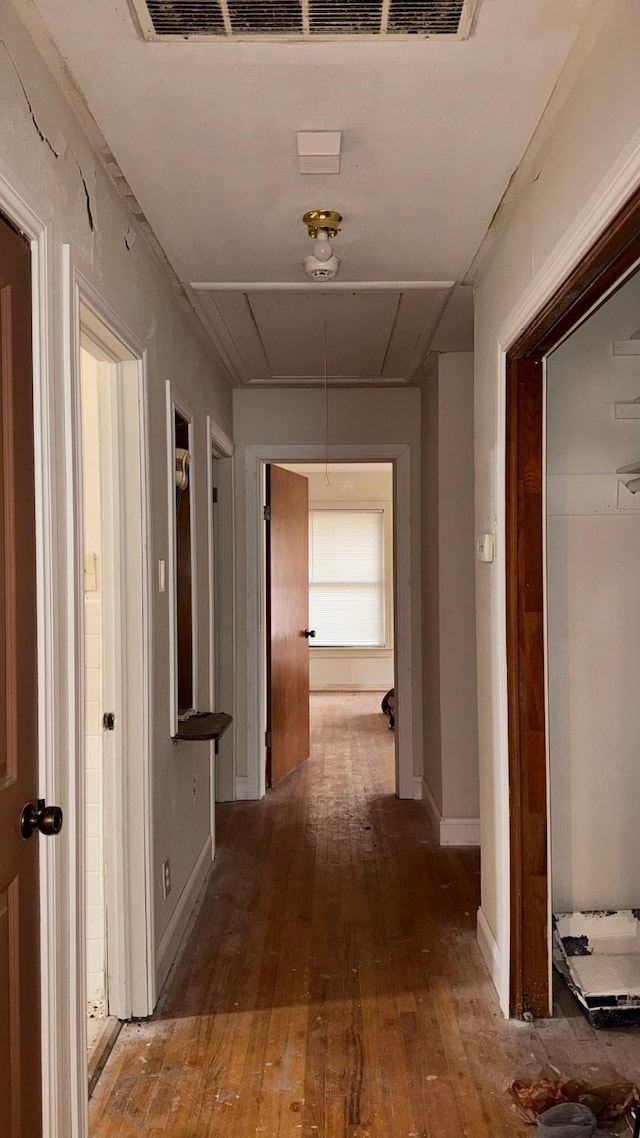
(346,585)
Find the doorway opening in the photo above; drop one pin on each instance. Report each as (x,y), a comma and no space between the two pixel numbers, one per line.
(113,683)
(593,645)
(606,266)
(344,577)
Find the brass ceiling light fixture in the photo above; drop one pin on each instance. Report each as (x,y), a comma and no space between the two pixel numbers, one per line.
(323,226)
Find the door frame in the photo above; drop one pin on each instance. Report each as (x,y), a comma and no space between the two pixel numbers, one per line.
(604,262)
(221,548)
(256,457)
(29,216)
(176,404)
(131,852)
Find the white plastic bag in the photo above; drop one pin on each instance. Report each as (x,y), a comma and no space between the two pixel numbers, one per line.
(567,1120)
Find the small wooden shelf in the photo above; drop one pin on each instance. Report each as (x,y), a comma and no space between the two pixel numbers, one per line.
(204,725)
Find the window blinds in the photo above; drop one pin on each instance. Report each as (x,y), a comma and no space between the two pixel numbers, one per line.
(346,587)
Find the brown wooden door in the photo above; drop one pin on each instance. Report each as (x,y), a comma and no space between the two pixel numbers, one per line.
(20,1080)
(287,617)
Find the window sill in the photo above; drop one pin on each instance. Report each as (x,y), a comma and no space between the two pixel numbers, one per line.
(354,652)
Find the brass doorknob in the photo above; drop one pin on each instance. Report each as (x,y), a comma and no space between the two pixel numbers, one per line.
(46,819)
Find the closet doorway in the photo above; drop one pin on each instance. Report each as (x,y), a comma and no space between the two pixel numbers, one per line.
(610,262)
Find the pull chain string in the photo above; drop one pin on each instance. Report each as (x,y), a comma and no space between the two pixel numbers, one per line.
(326,403)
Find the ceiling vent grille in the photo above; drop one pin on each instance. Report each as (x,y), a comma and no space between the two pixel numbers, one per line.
(304,19)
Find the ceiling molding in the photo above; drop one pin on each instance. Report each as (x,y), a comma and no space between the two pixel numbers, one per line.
(311,286)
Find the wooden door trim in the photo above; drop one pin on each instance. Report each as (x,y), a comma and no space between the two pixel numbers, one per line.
(606,264)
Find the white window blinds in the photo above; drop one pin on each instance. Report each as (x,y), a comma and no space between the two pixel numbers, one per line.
(346,587)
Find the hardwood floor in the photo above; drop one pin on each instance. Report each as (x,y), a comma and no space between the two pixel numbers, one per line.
(332,986)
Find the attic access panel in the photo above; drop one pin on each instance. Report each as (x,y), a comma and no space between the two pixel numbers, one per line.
(228,20)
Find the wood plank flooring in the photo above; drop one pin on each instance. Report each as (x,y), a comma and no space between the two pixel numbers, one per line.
(332,986)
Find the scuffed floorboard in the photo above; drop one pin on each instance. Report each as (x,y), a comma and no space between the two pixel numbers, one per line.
(332,986)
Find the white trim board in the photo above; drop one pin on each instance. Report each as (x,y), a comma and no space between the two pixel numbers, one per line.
(318,687)
(406,684)
(488,946)
(449,831)
(128,829)
(180,920)
(132,868)
(242,788)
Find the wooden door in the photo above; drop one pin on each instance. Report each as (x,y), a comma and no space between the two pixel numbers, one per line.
(20,1080)
(287,617)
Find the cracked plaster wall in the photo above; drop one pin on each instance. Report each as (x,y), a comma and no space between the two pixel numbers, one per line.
(46,158)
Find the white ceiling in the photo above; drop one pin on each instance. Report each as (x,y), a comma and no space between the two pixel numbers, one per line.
(205,134)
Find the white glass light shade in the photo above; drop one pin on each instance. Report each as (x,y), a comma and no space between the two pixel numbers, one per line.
(322,250)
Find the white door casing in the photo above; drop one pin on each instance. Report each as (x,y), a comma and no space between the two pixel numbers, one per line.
(409,695)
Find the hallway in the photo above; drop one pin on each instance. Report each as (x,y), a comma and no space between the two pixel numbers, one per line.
(331,985)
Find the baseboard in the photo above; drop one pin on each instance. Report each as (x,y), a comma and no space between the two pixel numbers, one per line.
(417,788)
(349,687)
(432,808)
(101,1049)
(459,831)
(490,952)
(449,831)
(242,788)
(167,950)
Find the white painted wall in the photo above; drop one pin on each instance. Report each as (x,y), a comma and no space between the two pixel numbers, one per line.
(593,556)
(295,417)
(354,669)
(576,175)
(449,643)
(132,282)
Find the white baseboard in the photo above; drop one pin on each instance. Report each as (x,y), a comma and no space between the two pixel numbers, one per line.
(167,950)
(349,687)
(242,788)
(432,808)
(459,831)
(490,952)
(417,788)
(449,831)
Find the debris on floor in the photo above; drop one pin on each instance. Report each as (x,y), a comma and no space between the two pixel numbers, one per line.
(567,1120)
(610,1103)
(598,956)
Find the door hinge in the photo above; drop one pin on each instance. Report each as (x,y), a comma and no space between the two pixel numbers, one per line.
(527,1014)
(267,738)
(214,494)
(266,513)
